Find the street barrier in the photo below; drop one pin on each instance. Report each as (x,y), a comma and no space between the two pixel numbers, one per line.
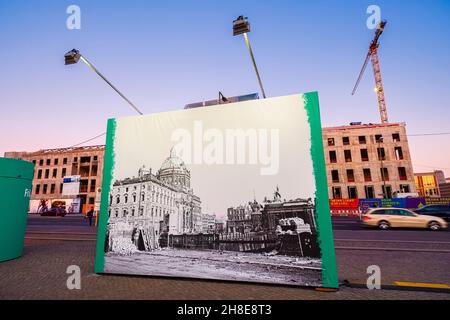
(15,190)
(356,207)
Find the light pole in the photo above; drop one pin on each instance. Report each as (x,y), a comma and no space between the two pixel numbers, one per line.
(380,140)
(73,56)
(242,26)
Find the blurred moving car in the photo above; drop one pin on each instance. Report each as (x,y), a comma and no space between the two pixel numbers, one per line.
(385,218)
(55,211)
(437,210)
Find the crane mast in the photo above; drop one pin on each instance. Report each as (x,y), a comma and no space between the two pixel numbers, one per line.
(373,56)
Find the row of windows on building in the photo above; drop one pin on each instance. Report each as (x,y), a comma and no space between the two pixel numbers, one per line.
(162,198)
(48,162)
(155,212)
(367,175)
(362,139)
(369,191)
(51,187)
(364,154)
(45,173)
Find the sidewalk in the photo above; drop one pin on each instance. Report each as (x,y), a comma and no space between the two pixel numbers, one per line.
(41,274)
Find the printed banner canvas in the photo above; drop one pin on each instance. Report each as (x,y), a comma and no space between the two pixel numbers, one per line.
(231,192)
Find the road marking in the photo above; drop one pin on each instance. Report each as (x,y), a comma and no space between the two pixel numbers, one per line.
(60,239)
(390,241)
(422,285)
(391,249)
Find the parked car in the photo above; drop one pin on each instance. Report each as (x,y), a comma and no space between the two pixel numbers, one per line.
(437,210)
(385,218)
(55,211)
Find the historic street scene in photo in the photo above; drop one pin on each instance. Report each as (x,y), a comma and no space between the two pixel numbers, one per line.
(156,226)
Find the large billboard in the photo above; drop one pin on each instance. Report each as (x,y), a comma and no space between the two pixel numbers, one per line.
(257,165)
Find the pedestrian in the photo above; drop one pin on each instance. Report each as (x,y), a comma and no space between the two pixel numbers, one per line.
(90,215)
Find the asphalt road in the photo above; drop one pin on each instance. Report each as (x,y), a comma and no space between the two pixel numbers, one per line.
(420,257)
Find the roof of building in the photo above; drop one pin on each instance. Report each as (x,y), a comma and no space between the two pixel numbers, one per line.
(365,126)
(61,150)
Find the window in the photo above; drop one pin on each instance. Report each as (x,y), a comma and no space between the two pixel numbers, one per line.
(95,158)
(405,213)
(387,191)
(370,192)
(345,141)
(47,173)
(337,193)
(118,199)
(384,174)
(126,199)
(367,175)
(34,162)
(396,137)
(55,161)
(52,188)
(350,175)
(41,162)
(381,154)
(364,155)
(54,173)
(61,188)
(94,170)
(404,188)
(92,185)
(91,200)
(63,172)
(44,189)
(333,158)
(379,138)
(75,159)
(402,173)
(352,193)
(39,174)
(38,189)
(330,142)
(362,139)
(348,155)
(335,176)
(398,153)
(47,162)
(65,161)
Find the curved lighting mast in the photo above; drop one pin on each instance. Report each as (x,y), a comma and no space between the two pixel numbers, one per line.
(373,55)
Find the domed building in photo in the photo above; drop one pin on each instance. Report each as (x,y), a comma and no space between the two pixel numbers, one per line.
(151,204)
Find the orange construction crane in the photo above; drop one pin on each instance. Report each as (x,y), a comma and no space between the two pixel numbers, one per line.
(373,54)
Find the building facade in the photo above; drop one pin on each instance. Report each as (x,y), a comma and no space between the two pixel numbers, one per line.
(208,223)
(157,203)
(52,165)
(428,183)
(367,161)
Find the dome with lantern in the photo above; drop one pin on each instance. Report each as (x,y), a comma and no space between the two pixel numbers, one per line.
(173,171)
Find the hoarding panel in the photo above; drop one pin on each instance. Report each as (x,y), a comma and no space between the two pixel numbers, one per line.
(258,165)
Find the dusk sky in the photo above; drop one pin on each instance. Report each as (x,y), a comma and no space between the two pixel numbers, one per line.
(165,54)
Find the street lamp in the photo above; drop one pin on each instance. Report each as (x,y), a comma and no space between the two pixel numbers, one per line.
(242,26)
(73,56)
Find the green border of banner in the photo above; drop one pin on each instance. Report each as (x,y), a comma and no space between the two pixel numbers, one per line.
(323,216)
(108,165)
